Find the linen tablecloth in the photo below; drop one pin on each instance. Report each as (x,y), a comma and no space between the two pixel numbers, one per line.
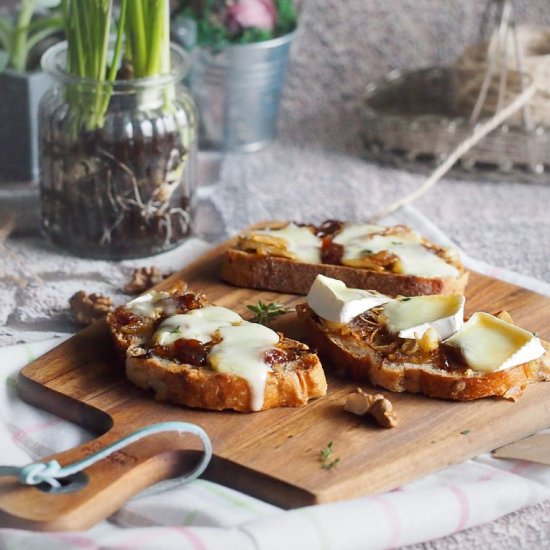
(204,515)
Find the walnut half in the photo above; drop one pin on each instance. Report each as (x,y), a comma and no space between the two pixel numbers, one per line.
(89,308)
(375,405)
(143,278)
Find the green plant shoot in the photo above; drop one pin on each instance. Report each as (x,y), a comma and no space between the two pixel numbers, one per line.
(102,41)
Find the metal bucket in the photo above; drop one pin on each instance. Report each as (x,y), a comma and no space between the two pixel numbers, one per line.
(20,94)
(237,91)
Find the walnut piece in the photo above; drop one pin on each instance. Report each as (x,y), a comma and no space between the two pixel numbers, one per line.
(89,308)
(375,405)
(143,278)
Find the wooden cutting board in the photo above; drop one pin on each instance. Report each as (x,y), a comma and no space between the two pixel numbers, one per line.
(273,455)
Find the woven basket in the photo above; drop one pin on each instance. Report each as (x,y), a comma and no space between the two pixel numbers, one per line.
(409,120)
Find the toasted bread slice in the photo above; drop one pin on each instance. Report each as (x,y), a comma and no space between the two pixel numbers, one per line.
(181,371)
(353,355)
(249,270)
(262,259)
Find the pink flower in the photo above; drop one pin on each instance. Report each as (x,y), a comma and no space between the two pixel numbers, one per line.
(259,14)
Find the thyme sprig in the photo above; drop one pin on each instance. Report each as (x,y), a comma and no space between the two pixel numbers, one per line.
(266,313)
(327,460)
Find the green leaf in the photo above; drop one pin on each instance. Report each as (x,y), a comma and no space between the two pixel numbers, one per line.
(142,40)
(6,33)
(4,42)
(327,460)
(18,51)
(250,36)
(48,4)
(6,25)
(115,62)
(287,17)
(45,23)
(136,33)
(212,32)
(4,59)
(39,36)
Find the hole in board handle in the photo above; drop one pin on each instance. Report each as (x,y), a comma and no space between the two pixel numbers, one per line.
(69,484)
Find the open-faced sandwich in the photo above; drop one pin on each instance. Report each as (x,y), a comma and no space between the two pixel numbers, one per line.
(193,353)
(393,260)
(422,344)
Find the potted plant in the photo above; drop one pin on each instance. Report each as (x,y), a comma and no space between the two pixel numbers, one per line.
(23,36)
(241,55)
(117,133)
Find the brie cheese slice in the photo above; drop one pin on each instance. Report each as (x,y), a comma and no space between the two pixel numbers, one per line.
(198,324)
(412,317)
(332,300)
(147,304)
(489,344)
(357,243)
(299,240)
(353,232)
(241,352)
(414,258)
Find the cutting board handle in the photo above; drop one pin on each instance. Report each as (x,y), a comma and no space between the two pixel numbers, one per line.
(100,490)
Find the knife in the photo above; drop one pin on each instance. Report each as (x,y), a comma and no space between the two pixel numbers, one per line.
(535,448)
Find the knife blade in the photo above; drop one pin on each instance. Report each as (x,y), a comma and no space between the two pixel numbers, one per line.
(535,448)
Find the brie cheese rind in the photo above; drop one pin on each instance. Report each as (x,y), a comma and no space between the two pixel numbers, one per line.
(489,344)
(332,300)
(412,317)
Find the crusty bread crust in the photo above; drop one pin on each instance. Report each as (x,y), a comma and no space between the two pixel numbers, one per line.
(250,270)
(290,386)
(353,359)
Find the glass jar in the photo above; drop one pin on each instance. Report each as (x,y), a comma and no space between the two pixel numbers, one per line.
(118,161)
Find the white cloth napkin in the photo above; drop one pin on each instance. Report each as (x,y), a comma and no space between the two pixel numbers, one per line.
(204,515)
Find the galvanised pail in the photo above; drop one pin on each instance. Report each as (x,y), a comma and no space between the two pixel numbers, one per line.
(237,91)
